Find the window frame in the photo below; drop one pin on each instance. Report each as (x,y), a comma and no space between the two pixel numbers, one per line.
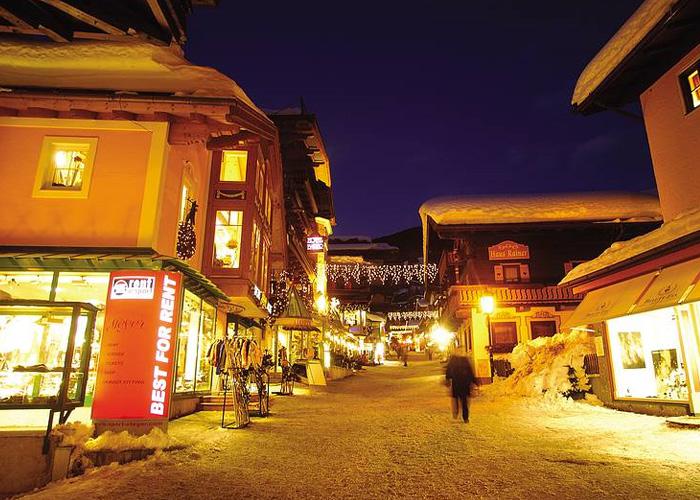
(686,91)
(44,169)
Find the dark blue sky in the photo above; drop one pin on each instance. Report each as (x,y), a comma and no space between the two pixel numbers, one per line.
(422,99)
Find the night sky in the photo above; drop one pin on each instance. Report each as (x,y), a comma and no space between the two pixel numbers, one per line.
(421,99)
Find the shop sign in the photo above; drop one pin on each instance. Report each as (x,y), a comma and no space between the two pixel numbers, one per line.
(261,299)
(509,250)
(134,374)
(315,244)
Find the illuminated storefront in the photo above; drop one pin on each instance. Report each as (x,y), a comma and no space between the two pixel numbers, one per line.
(646,331)
(35,340)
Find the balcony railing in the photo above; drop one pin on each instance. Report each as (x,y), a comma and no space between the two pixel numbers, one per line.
(461,296)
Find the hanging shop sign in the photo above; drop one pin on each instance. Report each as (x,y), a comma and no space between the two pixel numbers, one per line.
(134,373)
(315,244)
(261,299)
(509,250)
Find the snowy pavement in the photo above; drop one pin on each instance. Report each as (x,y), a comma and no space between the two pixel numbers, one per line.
(388,432)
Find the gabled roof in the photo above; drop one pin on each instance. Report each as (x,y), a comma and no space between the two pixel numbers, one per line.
(650,42)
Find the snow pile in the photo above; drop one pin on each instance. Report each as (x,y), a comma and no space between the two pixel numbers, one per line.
(685,224)
(622,44)
(606,206)
(549,366)
(113,441)
(73,433)
(116,66)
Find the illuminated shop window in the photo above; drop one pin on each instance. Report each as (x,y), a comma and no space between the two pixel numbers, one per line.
(65,167)
(207,335)
(187,340)
(25,285)
(227,239)
(33,346)
(233,166)
(694,87)
(646,356)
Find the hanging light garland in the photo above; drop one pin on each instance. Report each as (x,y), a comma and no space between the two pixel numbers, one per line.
(394,273)
(412,315)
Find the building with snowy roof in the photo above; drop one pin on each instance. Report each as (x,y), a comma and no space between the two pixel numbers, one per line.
(642,296)
(514,250)
(123,155)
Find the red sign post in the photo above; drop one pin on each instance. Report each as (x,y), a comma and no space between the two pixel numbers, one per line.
(139,340)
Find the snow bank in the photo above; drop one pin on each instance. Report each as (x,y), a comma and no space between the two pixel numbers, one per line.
(113,441)
(542,367)
(646,17)
(73,433)
(116,66)
(606,206)
(685,224)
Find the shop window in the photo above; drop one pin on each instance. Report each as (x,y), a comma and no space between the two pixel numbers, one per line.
(233,166)
(187,341)
(25,285)
(227,239)
(646,356)
(207,335)
(34,341)
(504,336)
(65,167)
(542,328)
(690,83)
(91,288)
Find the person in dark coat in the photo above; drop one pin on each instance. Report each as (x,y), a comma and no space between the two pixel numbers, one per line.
(460,376)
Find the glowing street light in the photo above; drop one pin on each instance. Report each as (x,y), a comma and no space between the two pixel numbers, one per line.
(441,337)
(487,304)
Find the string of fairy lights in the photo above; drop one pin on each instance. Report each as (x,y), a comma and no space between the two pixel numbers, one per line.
(412,315)
(388,273)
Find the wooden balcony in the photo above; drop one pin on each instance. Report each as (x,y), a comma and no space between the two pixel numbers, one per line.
(467,296)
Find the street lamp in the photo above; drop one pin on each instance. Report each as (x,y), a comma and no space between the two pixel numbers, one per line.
(488,304)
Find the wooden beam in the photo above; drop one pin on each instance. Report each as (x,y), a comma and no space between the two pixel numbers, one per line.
(84,17)
(18,22)
(158,13)
(32,13)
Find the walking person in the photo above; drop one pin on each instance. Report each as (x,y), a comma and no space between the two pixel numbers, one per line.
(460,376)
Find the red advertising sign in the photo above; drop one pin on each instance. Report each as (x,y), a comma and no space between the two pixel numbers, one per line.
(139,338)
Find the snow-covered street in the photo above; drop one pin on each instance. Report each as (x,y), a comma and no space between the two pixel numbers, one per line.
(388,432)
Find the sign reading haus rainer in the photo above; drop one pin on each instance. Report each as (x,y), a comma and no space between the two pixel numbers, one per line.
(509,250)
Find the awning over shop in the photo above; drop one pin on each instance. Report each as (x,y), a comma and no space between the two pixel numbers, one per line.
(296,316)
(670,287)
(608,302)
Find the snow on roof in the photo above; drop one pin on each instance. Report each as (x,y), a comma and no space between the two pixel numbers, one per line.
(115,66)
(361,246)
(365,239)
(606,206)
(683,225)
(646,17)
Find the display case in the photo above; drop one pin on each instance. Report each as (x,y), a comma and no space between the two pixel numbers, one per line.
(45,351)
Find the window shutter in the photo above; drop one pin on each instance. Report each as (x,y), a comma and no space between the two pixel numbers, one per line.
(525,272)
(498,272)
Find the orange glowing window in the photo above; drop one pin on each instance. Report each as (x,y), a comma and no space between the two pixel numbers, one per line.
(233,166)
(227,239)
(690,87)
(694,85)
(65,167)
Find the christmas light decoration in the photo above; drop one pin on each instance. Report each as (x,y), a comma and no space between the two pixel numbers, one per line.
(394,273)
(186,236)
(412,315)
